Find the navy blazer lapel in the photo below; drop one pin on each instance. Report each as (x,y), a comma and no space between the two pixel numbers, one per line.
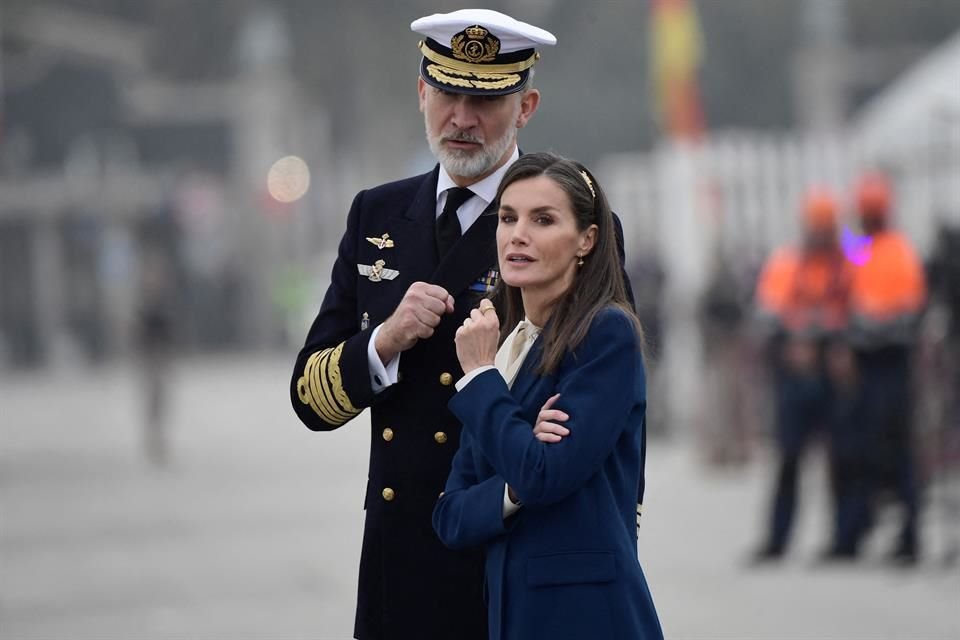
(413,230)
(474,253)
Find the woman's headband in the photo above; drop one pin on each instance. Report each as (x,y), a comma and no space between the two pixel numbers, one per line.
(586,178)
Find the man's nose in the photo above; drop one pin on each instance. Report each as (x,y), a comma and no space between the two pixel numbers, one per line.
(464,113)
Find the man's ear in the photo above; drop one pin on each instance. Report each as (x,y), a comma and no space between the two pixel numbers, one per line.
(422,93)
(529,101)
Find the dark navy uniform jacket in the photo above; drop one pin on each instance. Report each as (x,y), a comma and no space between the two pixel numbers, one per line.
(410,585)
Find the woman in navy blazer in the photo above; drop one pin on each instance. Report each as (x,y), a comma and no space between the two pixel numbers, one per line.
(552,449)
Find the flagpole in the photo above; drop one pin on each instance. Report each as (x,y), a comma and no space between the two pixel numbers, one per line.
(676,53)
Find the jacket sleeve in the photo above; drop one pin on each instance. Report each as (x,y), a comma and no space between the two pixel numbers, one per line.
(469,512)
(330,383)
(773,291)
(599,386)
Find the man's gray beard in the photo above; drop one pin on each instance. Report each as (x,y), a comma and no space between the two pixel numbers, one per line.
(470,164)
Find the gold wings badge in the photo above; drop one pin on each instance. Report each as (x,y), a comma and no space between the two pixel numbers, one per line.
(383,242)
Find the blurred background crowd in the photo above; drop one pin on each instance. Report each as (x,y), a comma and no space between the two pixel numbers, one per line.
(174,179)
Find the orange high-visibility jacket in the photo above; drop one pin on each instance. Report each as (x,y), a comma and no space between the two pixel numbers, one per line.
(887,293)
(805,293)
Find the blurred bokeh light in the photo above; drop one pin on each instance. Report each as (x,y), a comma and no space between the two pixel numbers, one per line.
(288,179)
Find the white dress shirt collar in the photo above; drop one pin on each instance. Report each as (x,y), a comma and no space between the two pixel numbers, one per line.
(486,189)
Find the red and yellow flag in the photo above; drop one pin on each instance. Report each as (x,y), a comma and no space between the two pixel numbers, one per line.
(677,44)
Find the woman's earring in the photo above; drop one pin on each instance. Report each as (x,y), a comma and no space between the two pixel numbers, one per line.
(580,261)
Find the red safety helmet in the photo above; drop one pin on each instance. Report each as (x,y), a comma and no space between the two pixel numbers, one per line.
(874,195)
(819,210)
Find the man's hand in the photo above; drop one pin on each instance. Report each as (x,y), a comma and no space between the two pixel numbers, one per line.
(800,356)
(477,338)
(415,318)
(842,367)
(547,428)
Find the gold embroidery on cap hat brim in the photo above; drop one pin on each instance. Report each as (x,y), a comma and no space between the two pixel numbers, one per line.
(438,73)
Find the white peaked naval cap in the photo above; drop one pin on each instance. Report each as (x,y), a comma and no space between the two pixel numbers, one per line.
(478,51)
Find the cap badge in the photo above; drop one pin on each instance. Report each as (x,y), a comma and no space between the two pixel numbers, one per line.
(475,44)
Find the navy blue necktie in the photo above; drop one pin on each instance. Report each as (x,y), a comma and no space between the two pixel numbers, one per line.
(448,225)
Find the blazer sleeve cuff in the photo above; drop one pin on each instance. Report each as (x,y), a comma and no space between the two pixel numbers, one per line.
(355,369)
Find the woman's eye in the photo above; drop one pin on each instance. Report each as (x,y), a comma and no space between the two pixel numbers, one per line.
(506,217)
(544,220)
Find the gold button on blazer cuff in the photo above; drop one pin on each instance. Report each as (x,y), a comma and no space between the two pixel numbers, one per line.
(446,379)
(440,437)
(388,434)
(388,494)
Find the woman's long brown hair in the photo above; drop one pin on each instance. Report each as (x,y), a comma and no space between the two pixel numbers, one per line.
(597,284)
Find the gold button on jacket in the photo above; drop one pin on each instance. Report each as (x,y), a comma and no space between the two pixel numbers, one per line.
(389,494)
(388,434)
(440,437)
(446,379)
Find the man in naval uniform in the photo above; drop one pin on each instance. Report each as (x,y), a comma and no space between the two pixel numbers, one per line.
(417,255)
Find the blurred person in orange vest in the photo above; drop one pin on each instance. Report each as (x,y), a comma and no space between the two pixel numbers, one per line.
(802,302)
(887,296)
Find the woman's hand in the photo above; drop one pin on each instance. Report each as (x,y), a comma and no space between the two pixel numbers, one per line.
(477,338)
(547,429)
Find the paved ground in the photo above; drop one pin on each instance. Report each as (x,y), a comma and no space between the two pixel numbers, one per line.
(254,530)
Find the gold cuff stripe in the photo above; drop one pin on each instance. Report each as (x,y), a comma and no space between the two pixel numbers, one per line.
(337,379)
(468,67)
(321,387)
(311,392)
(324,393)
(303,384)
(436,73)
(306,398)
(320,392)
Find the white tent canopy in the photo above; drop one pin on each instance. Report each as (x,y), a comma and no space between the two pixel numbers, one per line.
(912,128)
(919,108)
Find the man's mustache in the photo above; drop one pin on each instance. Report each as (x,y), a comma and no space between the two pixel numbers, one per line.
(462,136)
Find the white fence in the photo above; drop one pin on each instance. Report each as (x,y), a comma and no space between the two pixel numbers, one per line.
(748,187)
